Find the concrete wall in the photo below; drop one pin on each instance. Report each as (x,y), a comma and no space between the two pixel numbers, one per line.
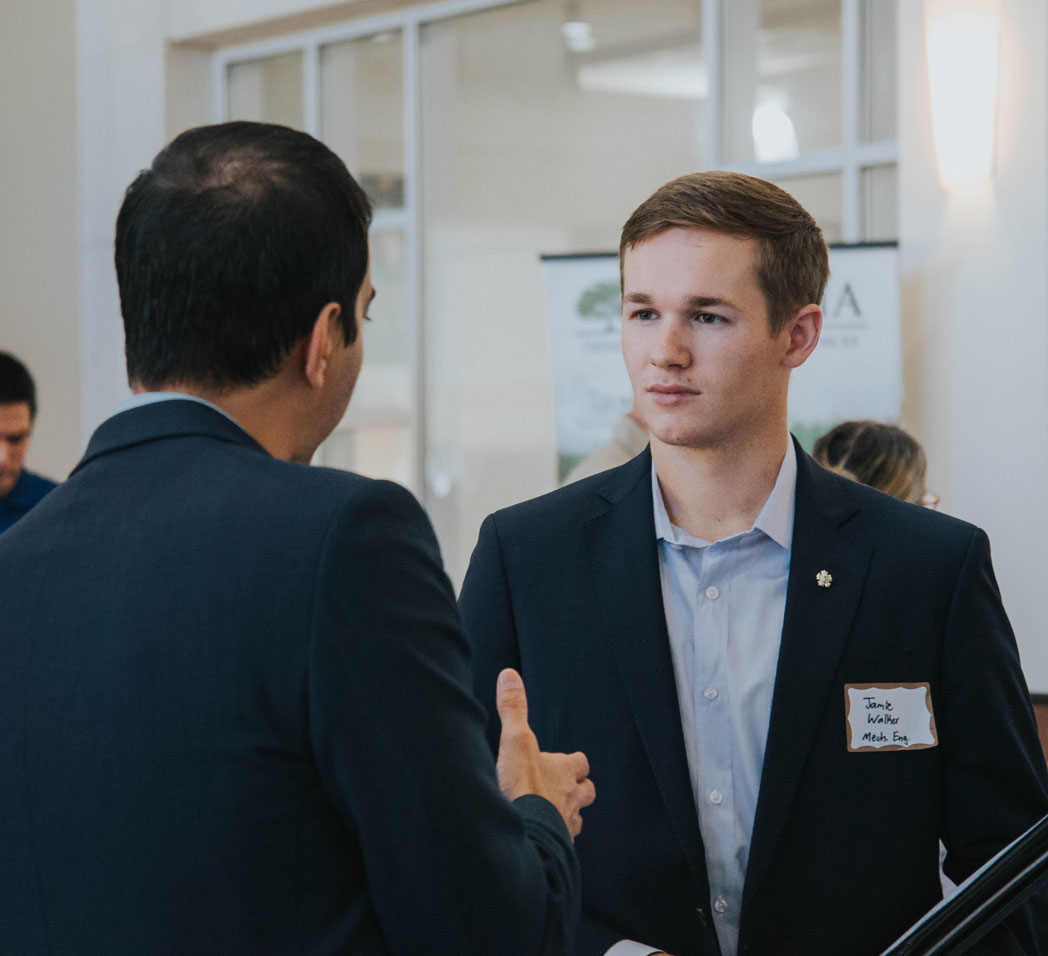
(38,216)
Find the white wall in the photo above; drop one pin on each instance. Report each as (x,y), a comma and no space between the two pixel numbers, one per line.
(212,22)
(189,19)
(38,213)
(121,95)
(976,315)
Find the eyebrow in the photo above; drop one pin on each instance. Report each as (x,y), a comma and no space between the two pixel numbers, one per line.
(693,301)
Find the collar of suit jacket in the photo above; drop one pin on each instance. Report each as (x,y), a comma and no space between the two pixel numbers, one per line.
(161,420)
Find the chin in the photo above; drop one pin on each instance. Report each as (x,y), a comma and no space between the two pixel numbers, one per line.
(680,439)
(688,438)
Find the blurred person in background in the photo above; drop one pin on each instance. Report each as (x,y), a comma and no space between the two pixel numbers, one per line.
(20,488)
(629,439)
(881,456)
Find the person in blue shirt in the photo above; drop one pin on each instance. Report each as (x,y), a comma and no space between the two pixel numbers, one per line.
(20,488)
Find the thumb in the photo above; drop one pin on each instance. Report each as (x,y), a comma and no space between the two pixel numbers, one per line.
(511,701)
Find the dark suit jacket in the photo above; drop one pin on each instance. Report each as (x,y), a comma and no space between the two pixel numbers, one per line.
(844,853)
(28,492)
(236,717)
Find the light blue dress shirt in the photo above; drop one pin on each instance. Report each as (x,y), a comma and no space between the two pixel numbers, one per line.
(724,604)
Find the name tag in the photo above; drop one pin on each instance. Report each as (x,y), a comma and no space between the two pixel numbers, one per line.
(889,717)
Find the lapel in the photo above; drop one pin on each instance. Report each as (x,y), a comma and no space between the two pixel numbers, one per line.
(623,553)
(815,627)
(164,419)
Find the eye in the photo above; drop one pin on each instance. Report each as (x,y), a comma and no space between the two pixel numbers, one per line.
(643,314)
(709,318)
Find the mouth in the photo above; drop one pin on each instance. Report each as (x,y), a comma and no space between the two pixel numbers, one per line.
(671,394)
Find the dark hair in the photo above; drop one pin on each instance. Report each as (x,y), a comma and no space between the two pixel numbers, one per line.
(228,247)
(16,384)
(792,262)
(881,456)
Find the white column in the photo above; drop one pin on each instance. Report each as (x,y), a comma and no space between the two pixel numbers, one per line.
(122,100)
(975,307)
(38,200)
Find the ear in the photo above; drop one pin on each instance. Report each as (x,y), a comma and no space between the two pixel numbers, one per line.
(323,339)
(804,328)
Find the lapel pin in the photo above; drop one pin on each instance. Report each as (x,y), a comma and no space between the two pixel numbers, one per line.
(824,579)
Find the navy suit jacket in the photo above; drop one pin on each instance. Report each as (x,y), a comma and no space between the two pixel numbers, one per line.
(28,492)
(236,717)
(844,852)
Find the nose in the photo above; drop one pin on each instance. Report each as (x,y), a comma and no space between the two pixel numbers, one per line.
(672,349)
(5,452)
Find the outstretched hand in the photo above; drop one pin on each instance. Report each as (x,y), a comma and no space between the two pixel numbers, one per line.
(563,779)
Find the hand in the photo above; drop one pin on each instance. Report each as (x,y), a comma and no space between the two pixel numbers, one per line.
(563,779)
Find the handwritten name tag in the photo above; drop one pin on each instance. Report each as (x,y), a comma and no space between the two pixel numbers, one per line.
(889,717)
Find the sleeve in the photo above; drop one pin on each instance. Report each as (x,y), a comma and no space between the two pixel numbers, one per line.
(487,614)
(995,782)
(399,743)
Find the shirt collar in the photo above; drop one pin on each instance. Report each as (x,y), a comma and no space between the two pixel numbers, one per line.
(775,519)
(149,398)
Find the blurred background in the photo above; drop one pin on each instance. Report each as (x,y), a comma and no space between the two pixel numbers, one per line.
(490,133)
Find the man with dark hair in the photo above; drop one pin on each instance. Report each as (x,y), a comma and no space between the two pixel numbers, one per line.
(235,713)
(20,488)
(790,686)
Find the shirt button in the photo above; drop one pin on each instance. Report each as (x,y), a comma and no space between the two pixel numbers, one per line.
(710,693)
(716,797)
(720,904)
(712,593)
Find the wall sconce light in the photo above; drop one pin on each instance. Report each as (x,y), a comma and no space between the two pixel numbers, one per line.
(962,38)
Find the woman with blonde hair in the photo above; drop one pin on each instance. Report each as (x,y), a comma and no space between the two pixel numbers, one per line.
(881,456)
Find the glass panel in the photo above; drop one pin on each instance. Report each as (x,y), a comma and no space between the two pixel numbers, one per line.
(267,90)
(878,70)
(544,125)
(362,112)
(821,195)
(377,435)
(782,91)
(880,220)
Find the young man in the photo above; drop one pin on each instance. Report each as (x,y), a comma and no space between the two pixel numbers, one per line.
(20,488)
(235,713)
(706,621)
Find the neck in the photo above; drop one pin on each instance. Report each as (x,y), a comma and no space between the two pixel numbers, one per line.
(267,412)
(714,493)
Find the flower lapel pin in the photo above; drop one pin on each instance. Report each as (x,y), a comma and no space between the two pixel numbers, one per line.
(824,579)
